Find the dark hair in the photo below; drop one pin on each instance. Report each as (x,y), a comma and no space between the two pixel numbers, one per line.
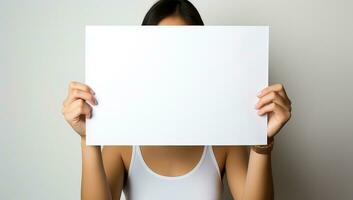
(165,8)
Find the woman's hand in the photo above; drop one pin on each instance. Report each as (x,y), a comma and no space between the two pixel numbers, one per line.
(274,101)
(75,107)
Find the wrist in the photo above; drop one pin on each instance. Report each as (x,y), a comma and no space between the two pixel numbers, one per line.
(83,141)
(264,149)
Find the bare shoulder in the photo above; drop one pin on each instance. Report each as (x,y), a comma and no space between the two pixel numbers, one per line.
(237,157)
(237,149)
(122,153)
(223,152)
(237,152)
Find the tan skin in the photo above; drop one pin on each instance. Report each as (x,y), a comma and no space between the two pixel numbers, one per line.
(104,172)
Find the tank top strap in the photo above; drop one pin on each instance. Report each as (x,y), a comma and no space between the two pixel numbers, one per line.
(132,159)
(213,159)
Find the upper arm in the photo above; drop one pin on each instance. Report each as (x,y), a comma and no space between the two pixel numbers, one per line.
(114,169)
(236,169)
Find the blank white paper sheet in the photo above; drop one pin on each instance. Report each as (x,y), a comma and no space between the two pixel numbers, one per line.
(176,85)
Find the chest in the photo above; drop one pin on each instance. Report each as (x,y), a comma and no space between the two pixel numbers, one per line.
(175,160)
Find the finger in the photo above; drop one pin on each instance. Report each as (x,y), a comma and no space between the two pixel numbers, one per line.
(277,109)
(77,108)
(273,97)
(79,94)
(273,88)
(80,86)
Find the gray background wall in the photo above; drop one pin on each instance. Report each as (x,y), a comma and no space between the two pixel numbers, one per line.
(42,49)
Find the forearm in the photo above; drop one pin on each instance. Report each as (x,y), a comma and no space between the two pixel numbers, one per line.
(259,183)
(94,183)
(273,102)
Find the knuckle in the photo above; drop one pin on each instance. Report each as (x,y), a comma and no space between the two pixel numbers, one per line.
(88,96)
(265,91)
(273,95)
(273,105)
(86,88)
(72,84)
(75,92)
(280,86)
(80,102)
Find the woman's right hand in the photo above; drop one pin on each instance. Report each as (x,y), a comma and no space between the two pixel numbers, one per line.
(75,107)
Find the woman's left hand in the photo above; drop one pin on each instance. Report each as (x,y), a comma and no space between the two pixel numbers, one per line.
(274,101)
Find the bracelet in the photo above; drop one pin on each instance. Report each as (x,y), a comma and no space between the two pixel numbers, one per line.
(264,149)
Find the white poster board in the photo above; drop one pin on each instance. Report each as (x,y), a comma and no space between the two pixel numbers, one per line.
(176,85)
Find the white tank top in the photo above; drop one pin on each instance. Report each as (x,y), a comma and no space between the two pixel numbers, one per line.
(203,182)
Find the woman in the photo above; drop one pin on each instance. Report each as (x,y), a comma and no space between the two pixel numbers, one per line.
(170,172)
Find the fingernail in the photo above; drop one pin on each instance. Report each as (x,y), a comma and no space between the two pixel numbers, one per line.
(96,102)
(259,93)
(92,92)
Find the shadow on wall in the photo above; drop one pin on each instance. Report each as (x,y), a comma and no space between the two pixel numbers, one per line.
(292,165)
(289,178)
